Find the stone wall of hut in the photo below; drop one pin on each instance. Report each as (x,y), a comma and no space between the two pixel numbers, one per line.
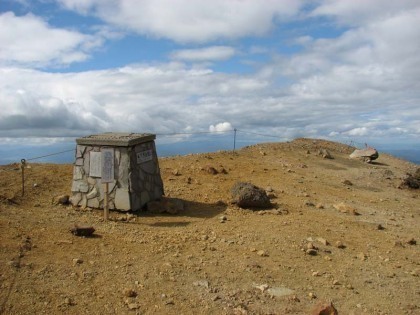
(137,178)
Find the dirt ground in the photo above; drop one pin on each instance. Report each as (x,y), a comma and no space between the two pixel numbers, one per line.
(340,230)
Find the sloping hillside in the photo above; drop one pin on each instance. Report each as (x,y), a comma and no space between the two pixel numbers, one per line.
(339,230)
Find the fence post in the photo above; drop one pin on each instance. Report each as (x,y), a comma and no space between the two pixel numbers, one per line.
(234,139)
(22,167)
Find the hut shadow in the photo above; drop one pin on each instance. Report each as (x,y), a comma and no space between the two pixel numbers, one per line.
(170,224)
(190,209)
(378,163)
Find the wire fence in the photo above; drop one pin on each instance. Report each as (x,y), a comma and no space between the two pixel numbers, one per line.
(230,143)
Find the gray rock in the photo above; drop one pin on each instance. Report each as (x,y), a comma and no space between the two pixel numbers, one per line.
(280,291)
(247,195)
(325,154)
(312,252)
(368,154)
(61,200)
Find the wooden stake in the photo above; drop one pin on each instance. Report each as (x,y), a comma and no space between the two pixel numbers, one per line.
(106,206)
(22,167)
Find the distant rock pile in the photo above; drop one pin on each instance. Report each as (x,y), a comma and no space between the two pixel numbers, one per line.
(247,195)
(367,154)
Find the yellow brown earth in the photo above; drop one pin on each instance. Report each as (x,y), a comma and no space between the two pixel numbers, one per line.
(339,231)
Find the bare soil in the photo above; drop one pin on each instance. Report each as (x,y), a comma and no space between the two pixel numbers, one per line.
(214,257)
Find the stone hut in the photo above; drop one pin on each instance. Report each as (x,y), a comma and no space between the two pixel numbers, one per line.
(136,176)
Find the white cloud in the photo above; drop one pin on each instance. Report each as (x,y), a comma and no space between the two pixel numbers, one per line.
(363,83)
(221,127)
(363,131)
(213,53)
(360,12)
(29,40)
(190,21)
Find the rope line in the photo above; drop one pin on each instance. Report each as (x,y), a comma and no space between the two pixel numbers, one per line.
(348,142)
(47,155)
(259,134)
(191,133)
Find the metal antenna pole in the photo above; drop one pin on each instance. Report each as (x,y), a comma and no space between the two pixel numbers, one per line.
(234,140)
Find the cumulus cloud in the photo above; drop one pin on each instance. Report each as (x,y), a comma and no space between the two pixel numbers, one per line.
(196,21)
(221,127)
(213,53)
(124,99)
(29,40)
(363,83)
(356,13)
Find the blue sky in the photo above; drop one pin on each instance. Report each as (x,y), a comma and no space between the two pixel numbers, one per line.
(336,69)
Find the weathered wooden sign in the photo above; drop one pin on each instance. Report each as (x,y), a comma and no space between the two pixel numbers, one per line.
(107,161)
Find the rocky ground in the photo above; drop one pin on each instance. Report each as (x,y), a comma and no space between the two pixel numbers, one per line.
(339,231)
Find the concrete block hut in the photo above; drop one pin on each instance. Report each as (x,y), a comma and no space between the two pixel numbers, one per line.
(136,175)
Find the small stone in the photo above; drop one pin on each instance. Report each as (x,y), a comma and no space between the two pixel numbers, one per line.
(262,287)
(398,244)
(339,244)
(262,253)
(315,274)
(311,252)
(323,241)
(342,207)
(319,206)
(380,227)
(82,230)
(309,203)
(361,256)
(312,295)
(347,182)
(310,245)
(61,200)
(324,309)
(130,293)
(336,282)
(411,241)
(223,218)
(211,170)
(133,306)
(201,283)
(294,298)
(77,261)
(68,301)
(176,172)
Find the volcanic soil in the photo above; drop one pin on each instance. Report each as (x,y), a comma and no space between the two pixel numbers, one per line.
(339,230)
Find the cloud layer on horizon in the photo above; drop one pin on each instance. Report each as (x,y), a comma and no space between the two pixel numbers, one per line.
(362,83)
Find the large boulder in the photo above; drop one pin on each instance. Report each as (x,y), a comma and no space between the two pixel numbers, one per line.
(367,154)
(247,195)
